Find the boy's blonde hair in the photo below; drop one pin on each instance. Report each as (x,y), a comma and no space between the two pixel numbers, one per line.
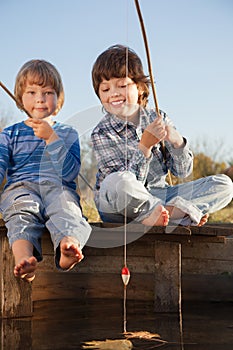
(119,61)
(41,73)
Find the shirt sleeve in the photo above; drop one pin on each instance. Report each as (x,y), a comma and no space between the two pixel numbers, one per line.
(4,154)
(139,165)
(180,160)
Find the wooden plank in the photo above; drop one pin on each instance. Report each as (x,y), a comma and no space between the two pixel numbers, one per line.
(167,277)
(15,294)
(213,230)
(137,248)
(91,285)
(107,235)
(135,227)
(105,264)
(206,230)
(12,336)
(184,239)
(202,266)
(99,228)
(208,250)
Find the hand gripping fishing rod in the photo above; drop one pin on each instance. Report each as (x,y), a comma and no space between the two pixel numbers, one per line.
(151,75)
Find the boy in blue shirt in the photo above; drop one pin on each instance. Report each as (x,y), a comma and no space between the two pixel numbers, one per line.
(41,158)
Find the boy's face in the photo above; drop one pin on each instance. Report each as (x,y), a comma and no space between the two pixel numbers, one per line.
(40,102)
(119,96)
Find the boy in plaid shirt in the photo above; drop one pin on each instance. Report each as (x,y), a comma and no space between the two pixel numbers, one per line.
(132,167)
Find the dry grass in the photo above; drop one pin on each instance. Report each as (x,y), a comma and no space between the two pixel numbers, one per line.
(224,215)
(89,210)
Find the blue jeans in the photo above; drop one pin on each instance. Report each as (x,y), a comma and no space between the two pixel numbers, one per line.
(121,194)
(28,208)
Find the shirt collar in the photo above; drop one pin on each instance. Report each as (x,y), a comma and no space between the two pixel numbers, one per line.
(117,123)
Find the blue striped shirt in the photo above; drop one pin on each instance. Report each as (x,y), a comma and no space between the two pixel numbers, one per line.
(25,157)
(115,144)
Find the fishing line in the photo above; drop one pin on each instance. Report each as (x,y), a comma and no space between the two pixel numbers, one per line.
(125,271)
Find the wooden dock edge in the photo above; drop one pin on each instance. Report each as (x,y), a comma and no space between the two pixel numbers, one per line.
(155,260)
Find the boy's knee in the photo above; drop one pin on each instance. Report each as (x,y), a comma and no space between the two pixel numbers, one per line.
(225,180)
(126,182)
(117,189)
(226,184)
(120,181)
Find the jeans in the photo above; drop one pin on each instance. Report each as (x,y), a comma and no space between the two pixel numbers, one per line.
(121,194)
(28,208)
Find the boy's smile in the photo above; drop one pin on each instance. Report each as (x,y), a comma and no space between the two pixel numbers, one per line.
(119,96)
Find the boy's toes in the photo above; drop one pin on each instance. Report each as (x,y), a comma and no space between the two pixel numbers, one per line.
(71,253)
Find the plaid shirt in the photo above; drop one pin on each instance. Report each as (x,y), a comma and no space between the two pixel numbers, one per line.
(115,144)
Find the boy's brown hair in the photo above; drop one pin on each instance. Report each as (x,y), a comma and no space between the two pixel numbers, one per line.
(42,73)
(119,61)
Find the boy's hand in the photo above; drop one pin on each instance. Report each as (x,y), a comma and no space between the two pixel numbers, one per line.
(43,130)
(174,137)
(153,134)
(158,131)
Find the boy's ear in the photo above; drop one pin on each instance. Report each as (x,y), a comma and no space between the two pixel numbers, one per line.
(140,94)
(140,90)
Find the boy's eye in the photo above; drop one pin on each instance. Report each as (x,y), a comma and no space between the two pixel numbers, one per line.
(49,93)
(105,90)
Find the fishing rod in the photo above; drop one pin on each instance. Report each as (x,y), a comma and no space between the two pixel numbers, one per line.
(13,97)
(151,75)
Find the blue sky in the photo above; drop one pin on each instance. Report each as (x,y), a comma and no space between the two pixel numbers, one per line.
(191,44)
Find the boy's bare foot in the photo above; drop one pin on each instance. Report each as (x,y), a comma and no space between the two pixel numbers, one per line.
(158,217)
(25,269)
(204,220)
(71,253)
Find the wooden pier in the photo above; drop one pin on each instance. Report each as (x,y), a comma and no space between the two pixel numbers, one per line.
(167,265)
